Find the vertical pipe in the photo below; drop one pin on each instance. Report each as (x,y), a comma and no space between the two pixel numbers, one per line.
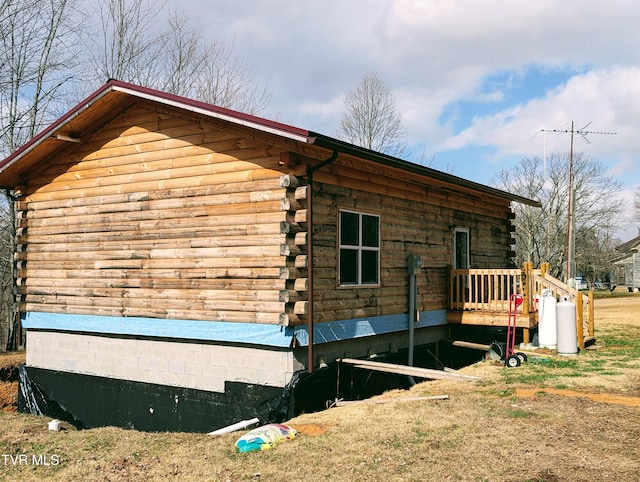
(412,312)
(310,296)
(310,171)
(414,264)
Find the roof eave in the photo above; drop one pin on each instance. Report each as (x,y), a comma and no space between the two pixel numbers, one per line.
(341,146)
(209,110)
(54,128)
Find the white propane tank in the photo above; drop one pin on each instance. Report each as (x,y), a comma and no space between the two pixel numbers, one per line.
(567,331)
(547,330)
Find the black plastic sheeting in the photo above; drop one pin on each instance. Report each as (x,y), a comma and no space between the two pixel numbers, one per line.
(89,401)
(32,400)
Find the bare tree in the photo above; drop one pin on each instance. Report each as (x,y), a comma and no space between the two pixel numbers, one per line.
(8,321)
(134,44)
(183,57)
(36,69)
(36,64)
(541,234)
(598,248)
(371,119)
(122,41)
(210,72)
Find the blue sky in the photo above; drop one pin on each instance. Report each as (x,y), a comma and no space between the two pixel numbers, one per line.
(475,80)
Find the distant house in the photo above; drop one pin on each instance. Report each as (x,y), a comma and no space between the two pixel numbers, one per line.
(627,265)
(178,262)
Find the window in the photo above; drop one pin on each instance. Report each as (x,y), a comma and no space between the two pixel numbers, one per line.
(461,248)
(359,256)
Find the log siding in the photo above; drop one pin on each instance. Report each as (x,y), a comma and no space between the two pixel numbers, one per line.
(417,216)
(162,216)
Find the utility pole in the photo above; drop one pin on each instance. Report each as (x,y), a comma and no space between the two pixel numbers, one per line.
(570,271)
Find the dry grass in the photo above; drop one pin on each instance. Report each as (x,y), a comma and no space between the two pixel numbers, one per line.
(558,419)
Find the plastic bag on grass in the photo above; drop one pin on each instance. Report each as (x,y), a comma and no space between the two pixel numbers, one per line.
(265,437)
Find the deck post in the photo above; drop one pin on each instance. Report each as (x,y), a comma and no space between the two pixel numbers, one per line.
(544,269)
(579,320)
(527,278)
(590,315)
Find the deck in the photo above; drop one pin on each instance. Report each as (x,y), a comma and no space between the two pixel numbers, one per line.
(482,297)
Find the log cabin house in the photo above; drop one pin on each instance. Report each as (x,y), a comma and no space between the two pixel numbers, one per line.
(177,263)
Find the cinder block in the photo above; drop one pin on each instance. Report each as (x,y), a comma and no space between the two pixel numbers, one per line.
(83,345)
(194,369)
(202,358)
(238,360)
(128,362)
(228,373)
(155,364)
(270,377)
(177,367)
(248,375)
(219,356)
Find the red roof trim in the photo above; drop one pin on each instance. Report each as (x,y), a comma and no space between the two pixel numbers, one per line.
(213,109)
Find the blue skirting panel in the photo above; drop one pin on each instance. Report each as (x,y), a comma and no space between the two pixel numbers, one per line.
(229,332)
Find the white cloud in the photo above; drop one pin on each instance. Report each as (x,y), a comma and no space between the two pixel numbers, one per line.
(330,109)
(625,166)
(601,100)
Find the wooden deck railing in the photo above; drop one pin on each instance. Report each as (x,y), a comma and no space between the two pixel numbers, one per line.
(489,290)
(483,289)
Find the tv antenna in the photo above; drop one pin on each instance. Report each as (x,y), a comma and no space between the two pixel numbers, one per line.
(571,236)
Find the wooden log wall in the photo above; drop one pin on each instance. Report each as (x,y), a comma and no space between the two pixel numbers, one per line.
(162,215)
(417,216)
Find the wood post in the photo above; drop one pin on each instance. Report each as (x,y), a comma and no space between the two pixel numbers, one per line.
(527,302)
(591,311)
(544,269)
(579,320)
(527,269)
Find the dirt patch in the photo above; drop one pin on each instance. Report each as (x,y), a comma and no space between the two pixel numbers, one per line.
(9,380)
(8,396)
(311,429)
(596,397)
(11,360)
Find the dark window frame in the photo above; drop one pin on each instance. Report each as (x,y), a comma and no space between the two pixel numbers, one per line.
(359,254)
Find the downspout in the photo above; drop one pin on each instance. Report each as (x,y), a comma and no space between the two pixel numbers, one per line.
(310,171)
(414,264)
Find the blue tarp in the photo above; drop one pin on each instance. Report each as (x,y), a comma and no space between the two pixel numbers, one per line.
(230,332)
